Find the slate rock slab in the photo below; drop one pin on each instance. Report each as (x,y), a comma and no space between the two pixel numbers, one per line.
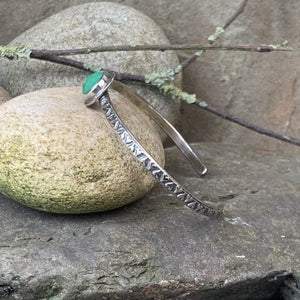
(156,248)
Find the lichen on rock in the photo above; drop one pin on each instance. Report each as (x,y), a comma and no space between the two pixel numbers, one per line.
(58,155)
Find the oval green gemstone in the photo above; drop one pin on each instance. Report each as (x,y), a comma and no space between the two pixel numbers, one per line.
(91,81)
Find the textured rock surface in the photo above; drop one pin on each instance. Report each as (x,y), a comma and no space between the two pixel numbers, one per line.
(89,25)
(261,88)
(4,95)
(58,155)
(156,248)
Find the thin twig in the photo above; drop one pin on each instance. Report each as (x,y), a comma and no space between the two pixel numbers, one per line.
(236,14)
(249,125)
(260,48)
(86,67)
(140,78)
(239,11)
(61,60)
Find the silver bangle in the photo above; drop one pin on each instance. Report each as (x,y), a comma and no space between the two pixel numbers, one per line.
(100,90)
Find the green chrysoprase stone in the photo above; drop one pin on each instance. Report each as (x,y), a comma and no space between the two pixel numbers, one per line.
(90,81)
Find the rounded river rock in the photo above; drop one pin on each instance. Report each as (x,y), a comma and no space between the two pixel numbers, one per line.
(89,25)
(57,155)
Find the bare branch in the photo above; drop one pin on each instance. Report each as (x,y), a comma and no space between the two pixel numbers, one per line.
(259,48)
(86,67)
(198,103)
(248,125)
(61,60)
(236,14)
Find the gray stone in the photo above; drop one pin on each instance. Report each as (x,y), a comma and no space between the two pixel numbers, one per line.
(57,155)
(89,25)
(4,95)
(156,248)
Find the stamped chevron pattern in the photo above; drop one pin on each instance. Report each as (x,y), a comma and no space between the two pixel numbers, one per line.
(158,172)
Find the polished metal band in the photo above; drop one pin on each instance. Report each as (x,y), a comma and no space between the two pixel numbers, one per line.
(207,209)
